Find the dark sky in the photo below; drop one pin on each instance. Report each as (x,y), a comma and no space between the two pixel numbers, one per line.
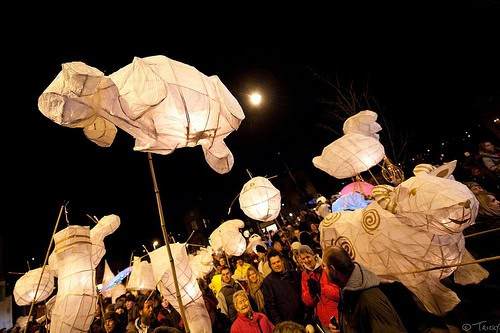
(433,78)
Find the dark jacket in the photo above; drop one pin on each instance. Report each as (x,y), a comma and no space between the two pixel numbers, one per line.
(364,307)
(225,298)
(282,296)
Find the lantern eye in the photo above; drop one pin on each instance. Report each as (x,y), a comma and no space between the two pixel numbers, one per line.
(413,192)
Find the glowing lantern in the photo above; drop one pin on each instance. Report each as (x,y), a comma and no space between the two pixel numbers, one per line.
(108,275)
(361,187)
(141,277)
(260,200)
(253,241)
(227,238)
(77,252)
(117,291)
(201,263)
(25,288)
(196,312)
(76,296)
(413,227)
(357,151)
(164,104)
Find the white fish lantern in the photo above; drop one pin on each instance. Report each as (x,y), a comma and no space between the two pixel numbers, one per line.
(76,297)
(260,200)
(25,287)
(357,151)
(191,296)
(227,238)
(164,104)
(141,277)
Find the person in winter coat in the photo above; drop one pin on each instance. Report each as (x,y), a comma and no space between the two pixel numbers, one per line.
(317,291)
(255,280)
(363,306)
(247,320)
(225,294)
(281,290)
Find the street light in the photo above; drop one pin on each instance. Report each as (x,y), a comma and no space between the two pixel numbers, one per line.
(155,244)
(255,98)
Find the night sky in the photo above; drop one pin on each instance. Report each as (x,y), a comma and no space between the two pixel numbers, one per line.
(432,79)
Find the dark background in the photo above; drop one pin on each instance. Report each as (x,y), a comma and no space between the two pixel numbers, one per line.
(435,76)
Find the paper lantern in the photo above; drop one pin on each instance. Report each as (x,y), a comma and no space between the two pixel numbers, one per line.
(253,241)
(351,201)
(25,287)
(363,122)
(260,200)
(202,262)
(415,226)
(117,291)
(357,151)
(49,306)
(106,226)
(77,252)
(141,277)
(76,296)
(164,104)
(227,238)
(191,297)
(361,187)
(107,277)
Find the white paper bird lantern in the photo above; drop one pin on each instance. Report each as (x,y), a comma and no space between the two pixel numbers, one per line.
(25,287)
(141,277)
(76,296)
(164,104)
(357,151)
(260,200)
(191,297)
(227,238)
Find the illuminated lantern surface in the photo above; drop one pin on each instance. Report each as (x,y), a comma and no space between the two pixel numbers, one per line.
(202,262)
(415,226)
(106,226)
(117,291)
(351,201)
(107,277)
(356,151)
(361,187)
(227,238)
(164,104)
(260,200)
(253,241)
(141,277)
(191,297)
(76,296)
(25,287)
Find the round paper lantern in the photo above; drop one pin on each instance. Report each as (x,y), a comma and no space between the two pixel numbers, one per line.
(361,187)
(227,238)
(25,288)
(260,200)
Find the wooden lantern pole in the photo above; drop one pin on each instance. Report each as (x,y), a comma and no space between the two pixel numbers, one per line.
(167,241)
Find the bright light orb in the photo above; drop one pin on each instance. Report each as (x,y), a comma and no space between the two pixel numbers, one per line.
(255,98)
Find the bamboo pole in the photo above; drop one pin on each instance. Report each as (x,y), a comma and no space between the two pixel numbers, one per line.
(44,264)
(167,241)
(481,233)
